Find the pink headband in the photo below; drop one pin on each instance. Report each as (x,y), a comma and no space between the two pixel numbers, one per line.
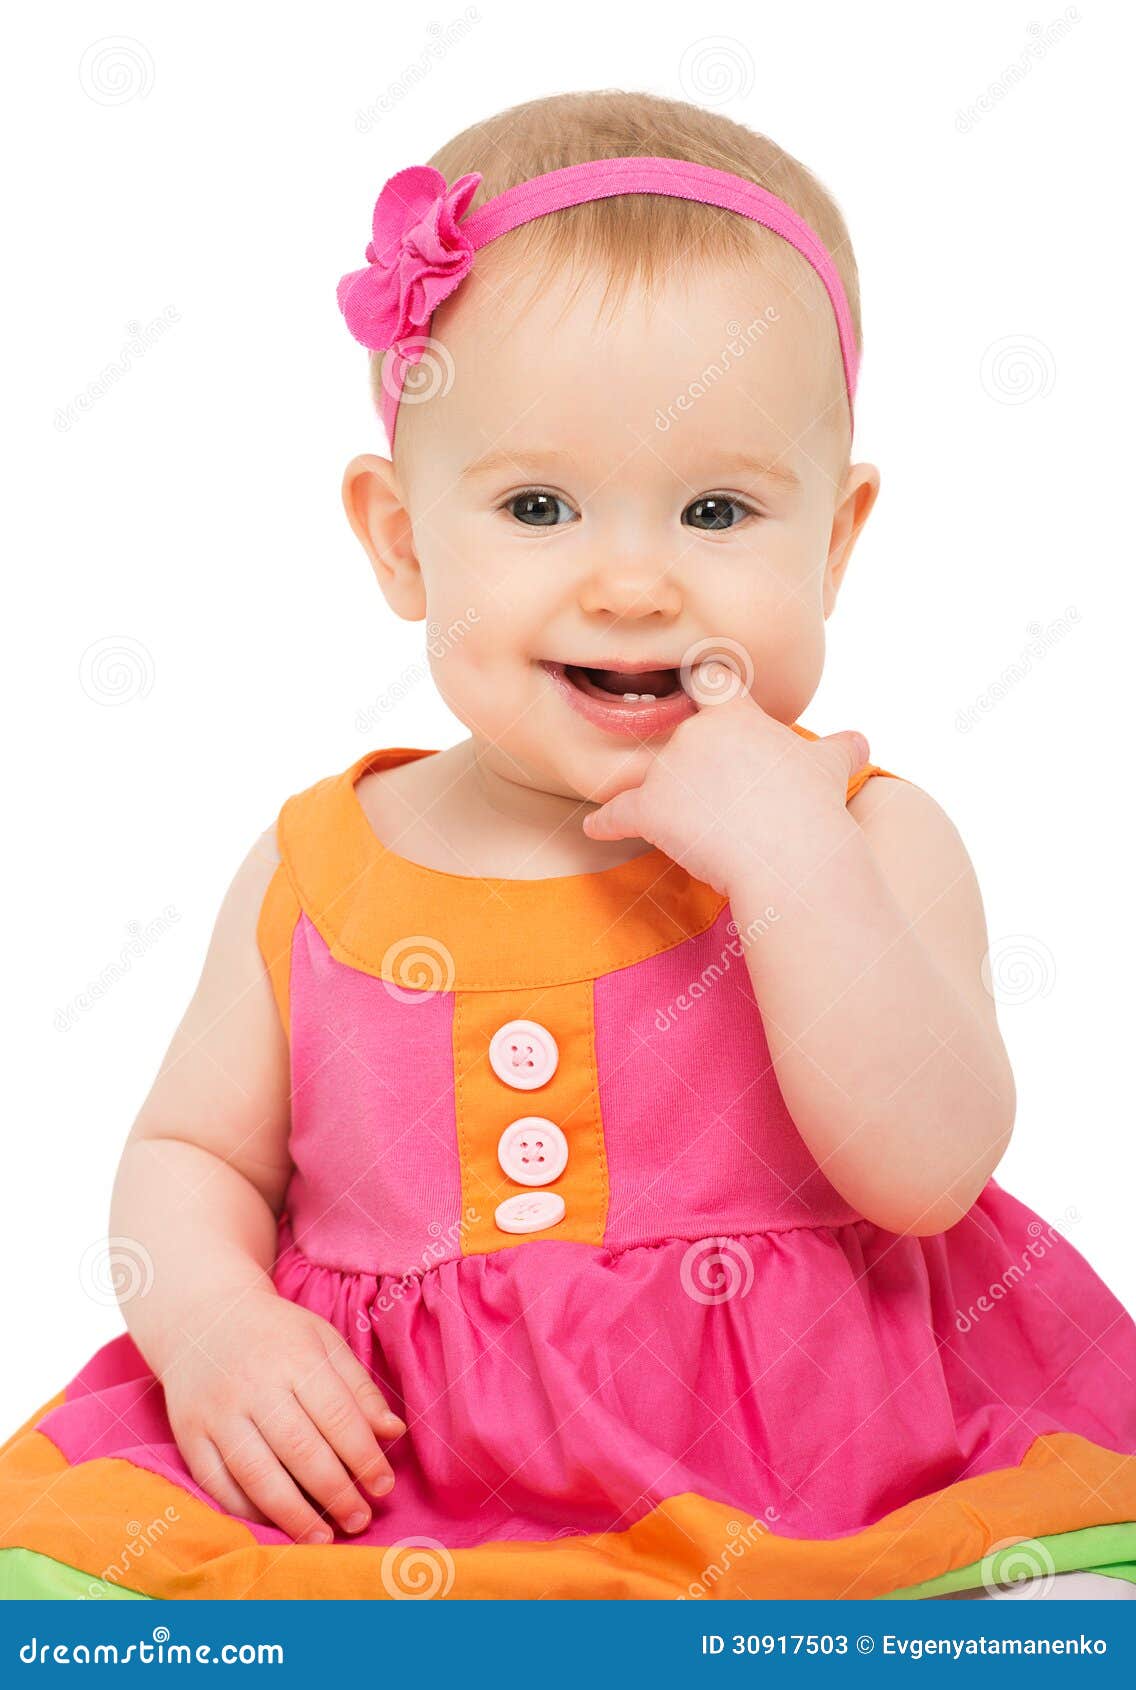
(419,251)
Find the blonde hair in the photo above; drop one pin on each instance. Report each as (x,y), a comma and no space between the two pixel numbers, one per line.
(638,238)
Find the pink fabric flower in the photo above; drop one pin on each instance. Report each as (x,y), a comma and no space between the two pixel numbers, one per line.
(416,257)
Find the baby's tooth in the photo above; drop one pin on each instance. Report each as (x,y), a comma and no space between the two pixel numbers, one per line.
(631,697)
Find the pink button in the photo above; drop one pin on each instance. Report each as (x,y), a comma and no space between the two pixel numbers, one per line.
(533,1151)
(532,1212)
(523,1054)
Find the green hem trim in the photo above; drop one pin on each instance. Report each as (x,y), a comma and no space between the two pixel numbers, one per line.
(26,1575)
(1109,1549)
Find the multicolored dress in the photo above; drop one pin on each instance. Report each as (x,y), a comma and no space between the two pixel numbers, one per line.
(546,1186)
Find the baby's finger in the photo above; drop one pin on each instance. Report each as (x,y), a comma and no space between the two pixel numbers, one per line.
(718,680)
(326,1398)
(850,750)
(204,1461)
(617,819)
(376,1409)
(311,1460)
(257,1469)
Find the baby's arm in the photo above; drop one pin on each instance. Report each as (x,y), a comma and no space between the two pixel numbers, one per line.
(265,1398)
(864,938)
(883,1034)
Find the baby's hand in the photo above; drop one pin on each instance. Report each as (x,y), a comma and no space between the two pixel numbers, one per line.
(268,1402)
(734,793)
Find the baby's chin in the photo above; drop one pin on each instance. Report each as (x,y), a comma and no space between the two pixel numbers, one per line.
(596,773)
(564,764)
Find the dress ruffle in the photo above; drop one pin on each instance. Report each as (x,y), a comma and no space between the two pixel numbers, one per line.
(565,1390)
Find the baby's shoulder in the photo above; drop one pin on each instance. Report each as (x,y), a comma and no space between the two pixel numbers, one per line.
(891,809)
(922,858)
(264,855)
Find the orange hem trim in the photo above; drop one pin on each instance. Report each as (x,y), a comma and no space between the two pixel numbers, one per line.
(88,1515)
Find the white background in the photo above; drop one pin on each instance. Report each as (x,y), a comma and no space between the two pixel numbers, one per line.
(190,517)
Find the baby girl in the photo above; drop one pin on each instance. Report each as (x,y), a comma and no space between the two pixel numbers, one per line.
(572,1176)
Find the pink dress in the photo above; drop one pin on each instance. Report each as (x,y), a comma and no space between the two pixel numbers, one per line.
(546,1186)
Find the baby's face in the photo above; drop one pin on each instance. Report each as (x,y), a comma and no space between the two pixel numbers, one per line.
(617,499)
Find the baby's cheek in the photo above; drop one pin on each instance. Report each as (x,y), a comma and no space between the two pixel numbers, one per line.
(476,678)
(786,652)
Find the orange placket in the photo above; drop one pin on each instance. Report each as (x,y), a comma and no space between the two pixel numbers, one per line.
(485,1105)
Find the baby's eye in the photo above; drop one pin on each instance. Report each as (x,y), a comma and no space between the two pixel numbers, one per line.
(538,508)
(716,511)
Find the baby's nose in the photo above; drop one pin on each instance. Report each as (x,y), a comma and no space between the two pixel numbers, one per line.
(631,588)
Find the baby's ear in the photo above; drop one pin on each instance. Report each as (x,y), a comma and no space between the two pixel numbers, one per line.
(373,500)
(857,496)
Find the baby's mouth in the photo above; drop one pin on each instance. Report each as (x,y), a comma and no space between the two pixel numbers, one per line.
(637,701)
(630,685)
